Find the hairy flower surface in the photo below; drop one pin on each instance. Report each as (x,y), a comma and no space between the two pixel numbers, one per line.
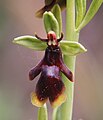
(50,85)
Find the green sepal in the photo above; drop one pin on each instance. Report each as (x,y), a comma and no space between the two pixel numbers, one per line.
(30,42)
(56,10)
(51,23)
(71,48)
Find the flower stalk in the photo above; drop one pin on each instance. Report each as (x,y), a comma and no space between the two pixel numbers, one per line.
(71,35)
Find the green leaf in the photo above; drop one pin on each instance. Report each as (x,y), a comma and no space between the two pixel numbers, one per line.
(71,48)
(80,11)
(84,6)
(30,42)
(57,13)
(95,5)
(51,23)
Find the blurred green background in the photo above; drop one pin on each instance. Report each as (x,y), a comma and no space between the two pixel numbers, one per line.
(17,17)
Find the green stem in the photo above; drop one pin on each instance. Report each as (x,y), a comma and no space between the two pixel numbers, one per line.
(42,113)
(72,35)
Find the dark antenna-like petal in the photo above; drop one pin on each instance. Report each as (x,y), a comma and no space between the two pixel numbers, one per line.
(44,40)
(60,37)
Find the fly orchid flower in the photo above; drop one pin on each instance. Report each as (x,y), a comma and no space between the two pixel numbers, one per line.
(49,5)
(50,85)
